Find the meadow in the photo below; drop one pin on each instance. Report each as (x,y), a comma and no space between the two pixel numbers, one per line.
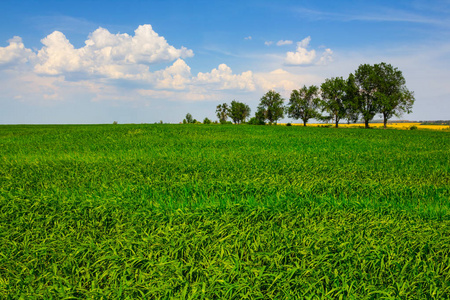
(223,212)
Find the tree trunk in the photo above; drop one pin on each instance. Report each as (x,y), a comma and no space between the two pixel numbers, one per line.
(385,121)
(337,123)
(304,123)
(366,123)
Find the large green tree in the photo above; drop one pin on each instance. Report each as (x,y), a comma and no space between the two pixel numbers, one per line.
(239,112)
(271,107)
(392,96)
(222,112)
(303,104)
(366,101)
(350,100)
(333,95)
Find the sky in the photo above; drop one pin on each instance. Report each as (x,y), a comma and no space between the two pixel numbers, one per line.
(135,61)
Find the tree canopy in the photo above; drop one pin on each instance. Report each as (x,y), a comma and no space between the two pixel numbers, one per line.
(239,112)
(366,100)
(303,103)
(222,112)
(189,119)
(271,107)
(392,96)
(333,96)
(382,90)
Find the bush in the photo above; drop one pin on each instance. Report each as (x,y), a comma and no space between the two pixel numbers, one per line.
(288,124)
(206,121)
(115,123)
(414,127)
(255,121)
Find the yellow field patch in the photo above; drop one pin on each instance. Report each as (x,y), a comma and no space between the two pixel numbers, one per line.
(404,126)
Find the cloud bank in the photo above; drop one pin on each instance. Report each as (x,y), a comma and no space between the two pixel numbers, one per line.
(122,66)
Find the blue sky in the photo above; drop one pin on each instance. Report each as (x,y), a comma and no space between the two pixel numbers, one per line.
(146,61)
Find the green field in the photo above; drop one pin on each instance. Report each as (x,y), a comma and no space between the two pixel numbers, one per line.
(223,212)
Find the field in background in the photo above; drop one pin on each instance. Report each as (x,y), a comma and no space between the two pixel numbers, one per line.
(392,125)
(198,211)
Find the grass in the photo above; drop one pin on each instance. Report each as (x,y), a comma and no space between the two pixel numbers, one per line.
(203,212)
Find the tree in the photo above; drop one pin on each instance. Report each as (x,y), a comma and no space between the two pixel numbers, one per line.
(333,94)
(222,112)
(391,94)
(304,103)
(271,107)
(366,101)
(239,112)
(350,100)
(189,118)
(206,121)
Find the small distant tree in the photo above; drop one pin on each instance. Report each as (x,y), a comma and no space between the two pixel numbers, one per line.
(392,96)
(239,112)
(206,121)
(304,103)
(189,118)
(222,112)
(271,107)
(333,93)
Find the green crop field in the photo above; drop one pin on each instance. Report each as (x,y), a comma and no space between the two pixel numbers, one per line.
(223,212)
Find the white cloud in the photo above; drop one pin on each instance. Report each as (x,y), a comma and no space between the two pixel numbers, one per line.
(59,69)
(327,57)
(15,53)
(304,43)
(174,77)
(284,81)
(302,56)
(248,37)
(282,43)
(224,78)
(58,55)
(268,43)
(107,54)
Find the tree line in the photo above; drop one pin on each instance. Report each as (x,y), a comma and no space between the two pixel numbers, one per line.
(370,90)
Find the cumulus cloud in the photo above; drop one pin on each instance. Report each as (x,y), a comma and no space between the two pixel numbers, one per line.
(268,43)
(111,55)
(302,56)
(174,77)
(15,53)
(224,78)
(285,42)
